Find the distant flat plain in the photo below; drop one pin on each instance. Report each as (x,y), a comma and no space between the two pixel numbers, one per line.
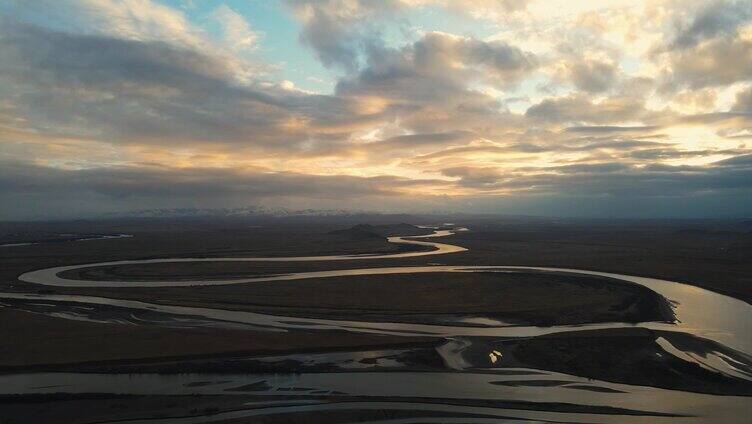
(716,255)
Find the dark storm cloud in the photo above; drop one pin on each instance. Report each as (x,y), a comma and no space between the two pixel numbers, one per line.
(616,179)
(504,63)
(593,76)
(93,61)
(340,33)
(29,191)
(426,70)
(427,92)
(87,85)
(581,109)
(714,63)
(151,92)
(332,40)
(716,18)
(337,31)
(143,182)
(709,49)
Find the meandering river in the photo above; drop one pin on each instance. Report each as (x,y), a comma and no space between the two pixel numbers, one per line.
(701,313)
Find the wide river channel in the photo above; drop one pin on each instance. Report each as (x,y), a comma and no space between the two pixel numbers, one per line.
(719,319)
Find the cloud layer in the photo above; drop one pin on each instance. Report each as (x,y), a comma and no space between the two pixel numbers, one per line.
(136,103)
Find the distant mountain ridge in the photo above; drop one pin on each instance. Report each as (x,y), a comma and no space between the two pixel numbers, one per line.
(231,212)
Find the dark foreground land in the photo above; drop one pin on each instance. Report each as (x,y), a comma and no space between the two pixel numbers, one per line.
(716,255)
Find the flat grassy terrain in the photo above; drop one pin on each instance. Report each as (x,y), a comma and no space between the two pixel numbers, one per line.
(520,298)
(716,255)
(712,254)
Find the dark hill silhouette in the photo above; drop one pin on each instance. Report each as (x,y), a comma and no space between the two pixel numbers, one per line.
(369,231)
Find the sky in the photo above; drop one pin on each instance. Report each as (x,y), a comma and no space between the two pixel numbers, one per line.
(615,108)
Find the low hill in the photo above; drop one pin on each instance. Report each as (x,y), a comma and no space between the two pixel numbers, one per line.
(367,231)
